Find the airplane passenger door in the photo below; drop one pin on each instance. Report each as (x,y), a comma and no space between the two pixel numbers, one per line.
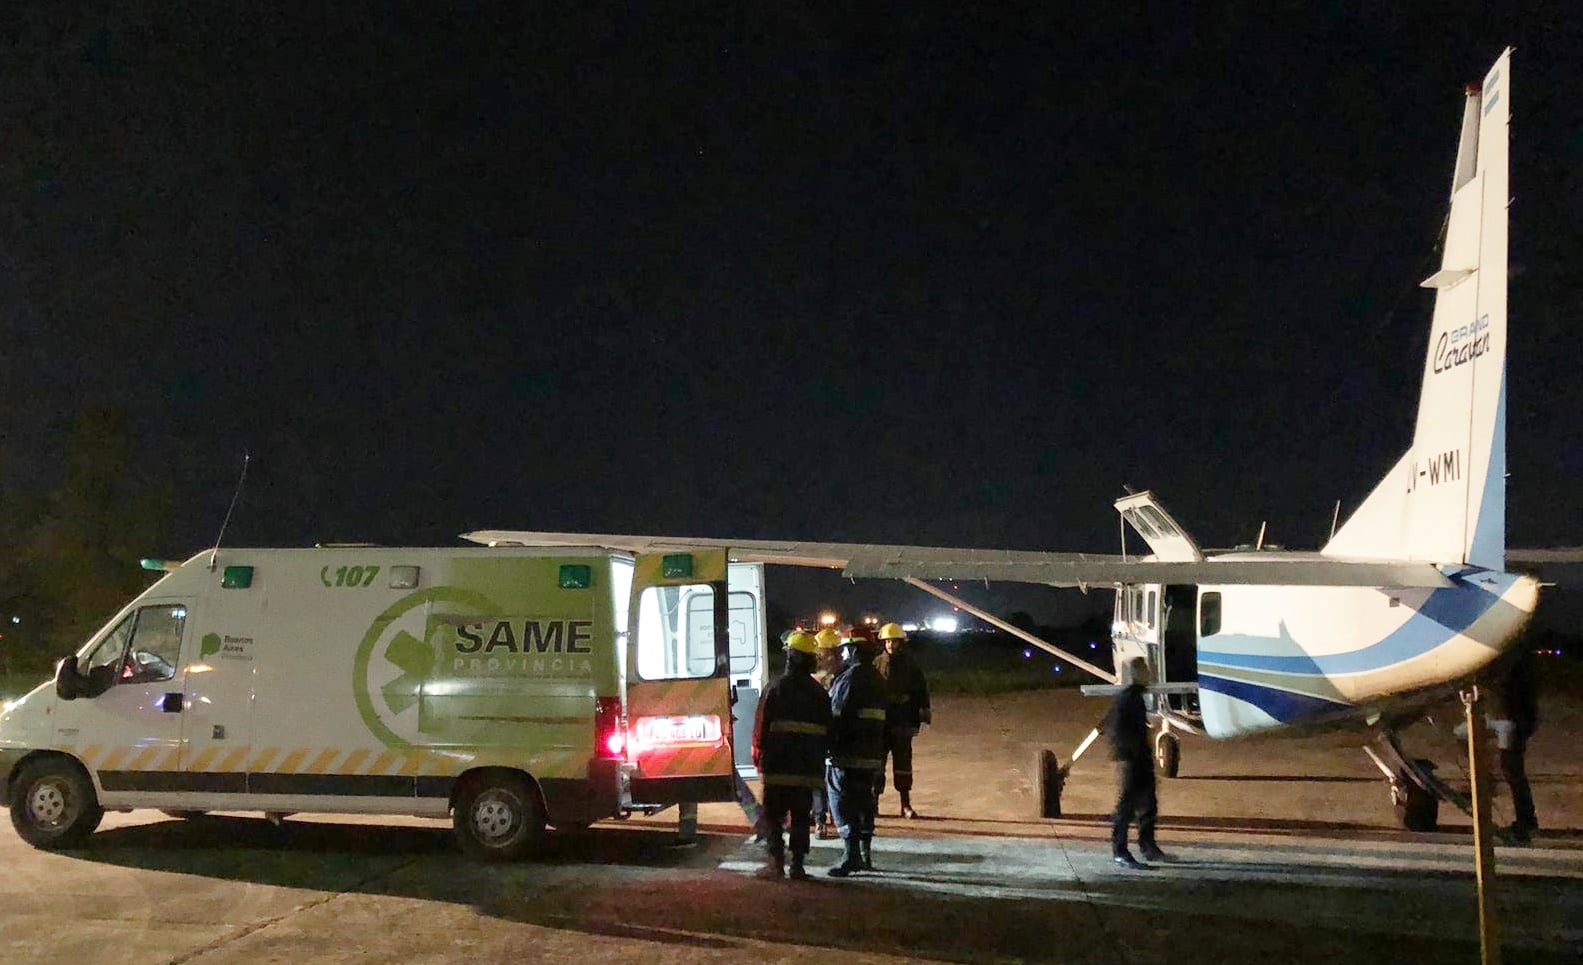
(679,678)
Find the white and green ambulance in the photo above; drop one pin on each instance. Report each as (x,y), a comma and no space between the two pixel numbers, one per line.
(506,688)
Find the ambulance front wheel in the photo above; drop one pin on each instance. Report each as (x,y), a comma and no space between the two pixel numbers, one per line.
(53,805)
(498,816)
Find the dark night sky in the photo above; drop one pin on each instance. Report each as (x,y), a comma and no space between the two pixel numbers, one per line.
(947,279)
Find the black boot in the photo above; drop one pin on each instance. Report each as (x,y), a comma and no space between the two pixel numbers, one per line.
(1152,852)
(797,872)
(865,850)
(774,867)
(851,864)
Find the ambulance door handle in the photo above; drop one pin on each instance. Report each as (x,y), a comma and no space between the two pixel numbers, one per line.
(171,704)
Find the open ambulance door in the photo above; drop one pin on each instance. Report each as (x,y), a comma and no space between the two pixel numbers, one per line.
(679,678)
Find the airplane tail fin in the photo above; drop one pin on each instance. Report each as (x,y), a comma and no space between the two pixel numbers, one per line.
(1445,500)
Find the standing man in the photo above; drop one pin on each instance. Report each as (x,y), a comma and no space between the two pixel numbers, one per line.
(1516,718)
(790,737)
(857,748)
(1127,726)
(907,710)
(828,642)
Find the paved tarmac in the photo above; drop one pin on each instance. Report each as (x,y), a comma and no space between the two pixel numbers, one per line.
(1287,852)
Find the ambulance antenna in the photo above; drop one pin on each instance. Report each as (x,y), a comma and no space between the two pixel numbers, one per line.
(1260,544)
(1335,517)
(214,553)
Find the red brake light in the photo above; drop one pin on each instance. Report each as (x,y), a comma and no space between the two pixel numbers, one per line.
(610,737)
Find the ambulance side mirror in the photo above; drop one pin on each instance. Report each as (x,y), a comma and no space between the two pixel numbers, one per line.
(68,682)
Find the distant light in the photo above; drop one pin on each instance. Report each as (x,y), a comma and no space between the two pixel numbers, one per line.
(16,620)
(909,628)
(871,621)
(1026,654)
(827,619)
(943,624)
(1057,668)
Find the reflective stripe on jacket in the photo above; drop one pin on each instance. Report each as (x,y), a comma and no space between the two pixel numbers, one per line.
(857,701)
(791,733)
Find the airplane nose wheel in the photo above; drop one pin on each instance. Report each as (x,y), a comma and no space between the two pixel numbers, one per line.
(1167,754)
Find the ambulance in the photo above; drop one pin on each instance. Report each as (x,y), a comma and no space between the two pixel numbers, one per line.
(507,689)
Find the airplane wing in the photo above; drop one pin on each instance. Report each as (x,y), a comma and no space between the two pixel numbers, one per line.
(1009,566)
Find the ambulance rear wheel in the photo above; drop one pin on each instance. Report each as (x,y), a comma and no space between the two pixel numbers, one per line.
(53,805)
(498,816)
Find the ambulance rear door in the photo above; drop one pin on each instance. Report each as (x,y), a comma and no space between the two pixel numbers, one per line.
(749,656)
(679,678)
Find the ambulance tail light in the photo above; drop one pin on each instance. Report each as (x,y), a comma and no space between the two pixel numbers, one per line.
(610,738)
(649,733)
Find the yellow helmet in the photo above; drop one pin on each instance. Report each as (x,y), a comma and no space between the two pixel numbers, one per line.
(892,631)
(801,642)
(828,639)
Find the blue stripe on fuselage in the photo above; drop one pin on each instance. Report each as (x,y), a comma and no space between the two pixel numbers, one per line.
(1443,615)
(1283,705)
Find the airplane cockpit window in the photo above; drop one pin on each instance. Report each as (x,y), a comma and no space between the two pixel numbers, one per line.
(1157,520)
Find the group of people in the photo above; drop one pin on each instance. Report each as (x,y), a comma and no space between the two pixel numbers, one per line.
(823,734)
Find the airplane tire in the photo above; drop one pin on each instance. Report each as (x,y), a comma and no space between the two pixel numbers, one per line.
(1047,767)
(1416,808)
(184,815)
(1167,755)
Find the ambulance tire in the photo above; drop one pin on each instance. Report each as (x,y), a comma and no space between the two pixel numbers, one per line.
(53,805)
(498,816)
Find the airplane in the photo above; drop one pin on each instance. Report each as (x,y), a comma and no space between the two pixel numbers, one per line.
(1411,597)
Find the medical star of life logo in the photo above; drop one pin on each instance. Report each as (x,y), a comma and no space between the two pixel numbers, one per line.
(398,654)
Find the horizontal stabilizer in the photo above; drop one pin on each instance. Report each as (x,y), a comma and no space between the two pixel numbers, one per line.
(1446,278)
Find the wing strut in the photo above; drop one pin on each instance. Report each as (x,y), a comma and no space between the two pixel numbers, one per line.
(1023,635)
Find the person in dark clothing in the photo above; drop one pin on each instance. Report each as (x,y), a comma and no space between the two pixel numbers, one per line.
(828,642)
(1516,716)
(1127,727)
(907,693)
(857,745)
(790,737)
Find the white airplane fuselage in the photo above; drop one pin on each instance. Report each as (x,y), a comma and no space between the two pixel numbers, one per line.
(1265,657)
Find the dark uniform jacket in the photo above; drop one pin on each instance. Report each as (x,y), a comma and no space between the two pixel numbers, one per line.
(857,701)
(792,731)
(1127,726)
(906,690)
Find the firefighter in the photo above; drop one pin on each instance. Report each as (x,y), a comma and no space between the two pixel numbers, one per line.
(1127,726)
(857,744)
(790,737)
(907,710)
(828,642)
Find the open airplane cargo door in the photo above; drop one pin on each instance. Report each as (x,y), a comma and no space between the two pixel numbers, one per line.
(678,678)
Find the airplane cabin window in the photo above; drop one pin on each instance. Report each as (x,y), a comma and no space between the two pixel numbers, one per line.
(1209,614)
(1149,611)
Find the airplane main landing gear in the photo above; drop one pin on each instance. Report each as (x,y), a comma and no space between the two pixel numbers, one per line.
(1416,792)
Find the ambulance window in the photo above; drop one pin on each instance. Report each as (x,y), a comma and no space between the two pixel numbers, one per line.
(156,643)
(1209,615)
(111,648)
(676,632)
(742,627)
